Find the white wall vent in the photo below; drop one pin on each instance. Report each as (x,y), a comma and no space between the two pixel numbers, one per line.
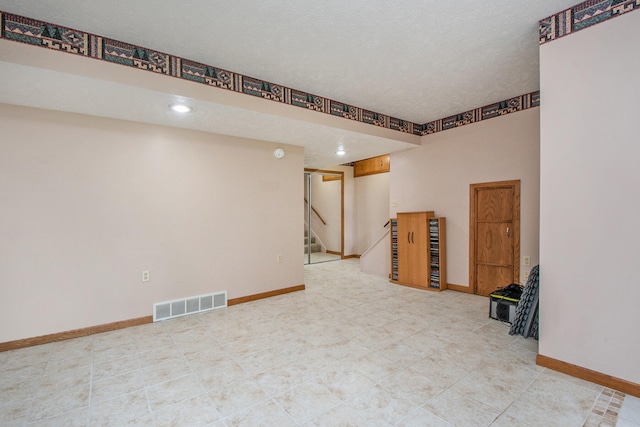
(181,307)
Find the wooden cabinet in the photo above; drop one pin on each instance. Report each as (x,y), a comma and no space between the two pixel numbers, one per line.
(371,166)
(418,251)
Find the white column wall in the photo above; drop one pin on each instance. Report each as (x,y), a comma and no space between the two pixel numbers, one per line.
(590,198)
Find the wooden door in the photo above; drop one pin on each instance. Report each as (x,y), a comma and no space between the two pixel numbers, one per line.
(494,236)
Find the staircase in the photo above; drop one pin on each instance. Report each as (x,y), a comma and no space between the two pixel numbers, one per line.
(315,247)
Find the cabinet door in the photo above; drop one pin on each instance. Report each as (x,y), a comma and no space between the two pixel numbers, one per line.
(419,253)
(413,249)
(404,248)
(361,168)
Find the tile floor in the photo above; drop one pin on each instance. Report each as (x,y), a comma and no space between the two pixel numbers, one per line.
(629,414)
(351,350)
(317,257)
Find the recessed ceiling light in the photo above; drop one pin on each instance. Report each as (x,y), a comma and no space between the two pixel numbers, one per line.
(340,152)
(180,108)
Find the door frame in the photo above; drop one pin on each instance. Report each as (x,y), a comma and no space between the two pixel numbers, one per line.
(341,173)
(473,191)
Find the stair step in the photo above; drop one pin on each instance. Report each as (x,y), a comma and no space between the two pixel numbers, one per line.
(315,247)
(306,240)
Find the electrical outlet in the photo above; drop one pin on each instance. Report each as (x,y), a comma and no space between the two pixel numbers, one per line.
(279,258)
(526,260)
(525,275)
(394,204)
(145,276)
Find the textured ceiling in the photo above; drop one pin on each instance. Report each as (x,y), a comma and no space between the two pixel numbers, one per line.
(416,60)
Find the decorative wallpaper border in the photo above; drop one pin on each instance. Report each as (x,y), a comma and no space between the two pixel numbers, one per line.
(51,36)
(583,15)
(512,105)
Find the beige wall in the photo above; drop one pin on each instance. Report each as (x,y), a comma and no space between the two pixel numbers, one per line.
(372,205)
(437,175)
(589,198)
(88,203)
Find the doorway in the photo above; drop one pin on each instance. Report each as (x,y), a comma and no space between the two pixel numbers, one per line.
(494,235)
(323,215)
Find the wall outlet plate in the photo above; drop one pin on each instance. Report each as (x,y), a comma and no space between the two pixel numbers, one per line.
(526,260)
(146,276)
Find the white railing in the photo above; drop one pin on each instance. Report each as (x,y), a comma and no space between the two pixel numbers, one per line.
(376,259)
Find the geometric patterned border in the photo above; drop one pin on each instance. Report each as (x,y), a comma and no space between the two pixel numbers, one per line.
(583,15)
(498,109)
(39,33)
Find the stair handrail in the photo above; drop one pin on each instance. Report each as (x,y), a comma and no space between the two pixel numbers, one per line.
(375,244)
(315,212)
(365,256)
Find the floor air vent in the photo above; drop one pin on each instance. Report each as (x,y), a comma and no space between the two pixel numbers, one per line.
(182,307)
